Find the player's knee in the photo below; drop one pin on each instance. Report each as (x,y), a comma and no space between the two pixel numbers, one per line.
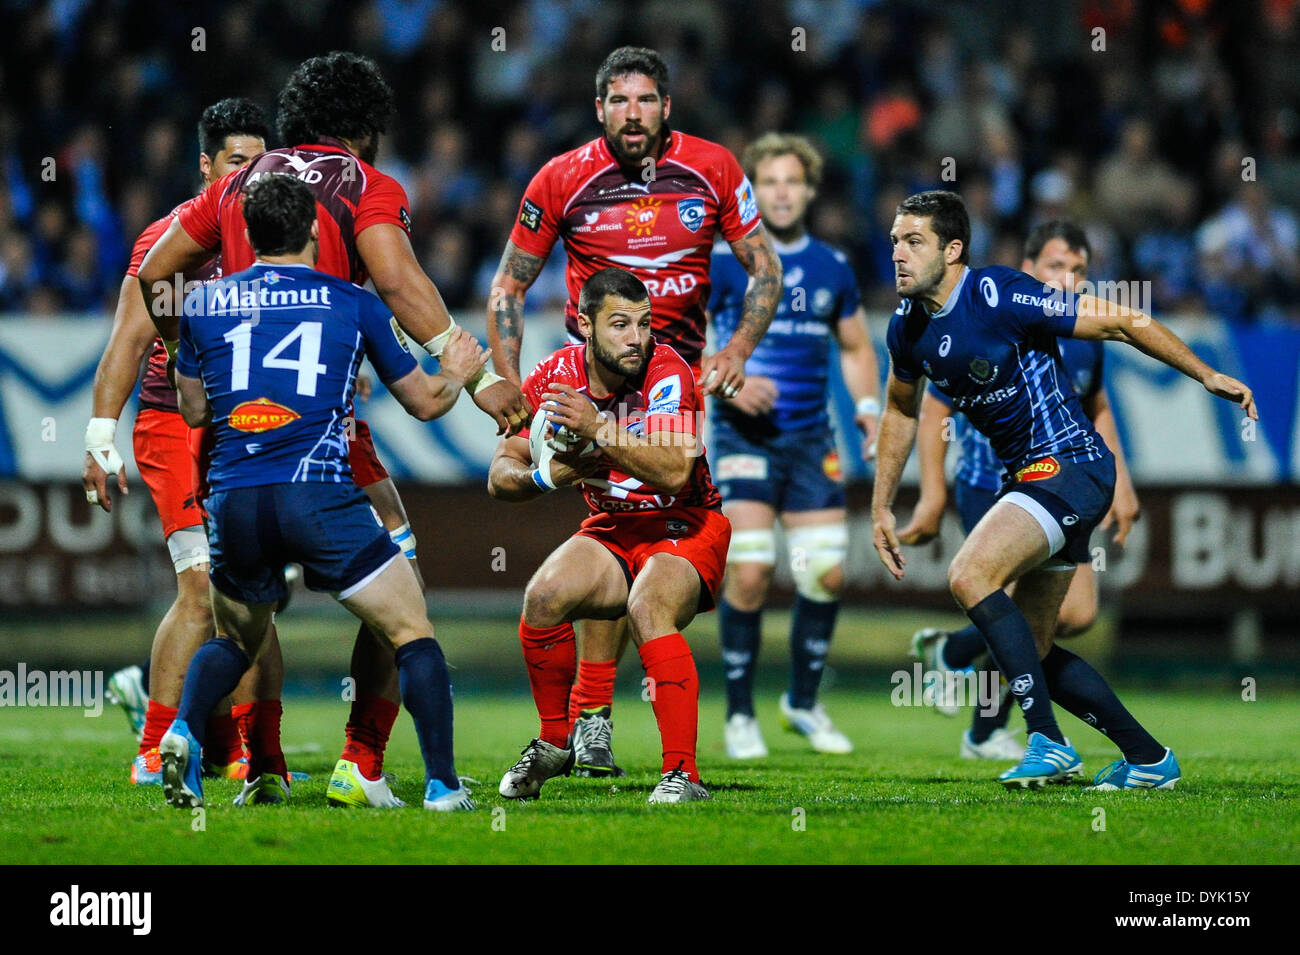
(817,560)
(409,631)
(542,603)
(1073,621)
(965,585)
(747,585)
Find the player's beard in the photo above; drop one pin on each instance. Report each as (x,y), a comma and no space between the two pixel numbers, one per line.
(926,283)
(615,363)
(650,145)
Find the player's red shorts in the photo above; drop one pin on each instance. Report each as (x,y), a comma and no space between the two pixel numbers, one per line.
(366,466)
(700,535)
(169,467)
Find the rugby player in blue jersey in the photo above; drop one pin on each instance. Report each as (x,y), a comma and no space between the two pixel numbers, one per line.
(1057,254)
(775,454)
(986,338)
(268,358)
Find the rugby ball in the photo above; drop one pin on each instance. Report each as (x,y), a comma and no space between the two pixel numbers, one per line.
(545,440)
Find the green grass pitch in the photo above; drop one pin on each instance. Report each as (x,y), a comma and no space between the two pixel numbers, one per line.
(903,797)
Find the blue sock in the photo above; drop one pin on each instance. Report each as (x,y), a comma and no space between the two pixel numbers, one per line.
(1011,642)
(214,672)
(810,641)
(426,694)
(1085,693)
(982,726)
(144,673)
(963,647)
(739,632)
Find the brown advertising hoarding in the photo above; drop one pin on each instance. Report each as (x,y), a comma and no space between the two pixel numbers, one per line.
(1195,547)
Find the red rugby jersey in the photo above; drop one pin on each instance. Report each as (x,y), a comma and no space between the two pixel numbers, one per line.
(662,399)
(351,196)
(154,390)
(662,230)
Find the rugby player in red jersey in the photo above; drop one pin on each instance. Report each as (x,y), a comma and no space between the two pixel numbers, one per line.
(334,109)
(649,199)
(655,544)
(231,132)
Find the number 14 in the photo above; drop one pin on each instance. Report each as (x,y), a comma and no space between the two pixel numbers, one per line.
(307,364)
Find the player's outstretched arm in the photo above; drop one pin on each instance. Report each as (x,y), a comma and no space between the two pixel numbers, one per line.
(861,374)
(160,275)
(1124,509)
(430,396)
(724,371)
(115,377)
(1098,319)
(192,398)
(418,307)
(932,449)
(505,314)
(897,434)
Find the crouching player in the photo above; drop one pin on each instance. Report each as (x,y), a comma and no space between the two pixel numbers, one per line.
(655,544)
(268,359)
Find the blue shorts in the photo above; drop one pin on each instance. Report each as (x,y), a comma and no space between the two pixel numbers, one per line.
(1068,500)
(253,532)
(973,503)
(794,471)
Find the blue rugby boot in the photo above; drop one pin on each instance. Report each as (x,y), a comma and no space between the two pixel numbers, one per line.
(182,766)
(1125,775)
(1044,762)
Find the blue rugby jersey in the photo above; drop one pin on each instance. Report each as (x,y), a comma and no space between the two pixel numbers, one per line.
(977,465)
(278,348)
(820,290)
(992,352)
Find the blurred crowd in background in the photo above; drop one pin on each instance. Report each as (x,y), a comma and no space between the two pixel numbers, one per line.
(1169,128)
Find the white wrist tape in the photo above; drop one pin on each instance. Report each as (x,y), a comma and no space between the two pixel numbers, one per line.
(484,379)
(99,444)
(542,478)
(868,406)
(437,343)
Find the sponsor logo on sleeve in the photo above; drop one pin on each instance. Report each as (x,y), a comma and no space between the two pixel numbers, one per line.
(1040,470)
(530,215)
(746,204)
(261,415)
(691,213)
(990,291)
(666,397)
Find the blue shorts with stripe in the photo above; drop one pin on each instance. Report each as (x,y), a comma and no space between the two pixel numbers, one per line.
(1068,499)
(330,529)
(791,471)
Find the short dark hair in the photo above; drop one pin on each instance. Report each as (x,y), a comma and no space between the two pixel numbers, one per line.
(1045,232)
(632,59)
(340,94)
(279,211)
(606,282)
(233,116)
(947,213)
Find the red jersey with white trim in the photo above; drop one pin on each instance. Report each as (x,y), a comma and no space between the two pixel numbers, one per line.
(663,399)
(154,390)
(351,196)
(661,230)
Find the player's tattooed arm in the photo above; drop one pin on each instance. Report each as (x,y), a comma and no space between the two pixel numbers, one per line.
(505,321)
(723,372)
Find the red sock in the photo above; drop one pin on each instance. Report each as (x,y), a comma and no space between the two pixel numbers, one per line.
(594,689)
(156,720)
(675,696)
(551,654)
(369,723)
(221,742)
(259,724)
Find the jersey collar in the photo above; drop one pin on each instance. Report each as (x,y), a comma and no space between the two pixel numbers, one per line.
(798,245)
(951,301)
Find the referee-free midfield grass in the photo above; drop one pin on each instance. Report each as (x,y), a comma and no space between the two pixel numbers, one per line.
(903,797)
